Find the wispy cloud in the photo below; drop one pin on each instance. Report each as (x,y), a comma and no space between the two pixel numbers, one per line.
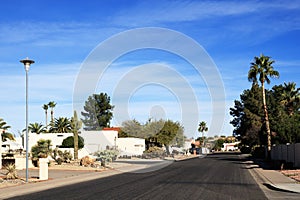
(54,34)
(180,11)
(229,20)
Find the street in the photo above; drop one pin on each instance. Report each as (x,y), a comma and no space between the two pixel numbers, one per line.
(217,176)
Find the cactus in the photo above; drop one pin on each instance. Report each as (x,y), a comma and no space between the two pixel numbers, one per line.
(76,125)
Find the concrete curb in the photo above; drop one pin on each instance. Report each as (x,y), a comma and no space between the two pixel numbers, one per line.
(276,188)
(190,157)
(287,187)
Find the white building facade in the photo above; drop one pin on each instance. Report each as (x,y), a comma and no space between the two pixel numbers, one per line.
(131,146)
(94,141)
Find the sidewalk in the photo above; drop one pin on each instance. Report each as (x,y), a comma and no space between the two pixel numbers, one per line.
(274,179)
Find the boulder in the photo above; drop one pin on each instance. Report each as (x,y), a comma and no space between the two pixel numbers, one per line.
(87,161)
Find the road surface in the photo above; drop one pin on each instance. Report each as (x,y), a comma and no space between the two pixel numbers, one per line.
(217,176)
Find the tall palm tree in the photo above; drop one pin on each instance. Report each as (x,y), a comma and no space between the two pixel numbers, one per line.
(52,104)
(3,125)
(45,107)
(61,125)
(3,128)
(36,128)
(290,97)
(260,70)
(202,128)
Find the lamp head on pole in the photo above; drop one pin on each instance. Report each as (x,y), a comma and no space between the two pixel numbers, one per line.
(27,62)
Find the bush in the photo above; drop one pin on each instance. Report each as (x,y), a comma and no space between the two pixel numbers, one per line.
(11,171)
(106,156)
(259,152)
(245,149)
(154,152)
(41,150)
(61,157)
(69,142)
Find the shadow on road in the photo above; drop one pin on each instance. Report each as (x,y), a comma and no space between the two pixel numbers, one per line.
(212,177)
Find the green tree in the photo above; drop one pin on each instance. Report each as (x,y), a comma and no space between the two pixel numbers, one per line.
(284,106)
(36,128)
(132,128)
(51,105)
(260,70)
(218,144)
(291,97)
(247,114)
(45,107)
(170,134)
(202,128)
(122,134)
(75,125)
(156,132)
(61,125)
(97,112)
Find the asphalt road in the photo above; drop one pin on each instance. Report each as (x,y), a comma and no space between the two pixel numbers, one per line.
(218,176)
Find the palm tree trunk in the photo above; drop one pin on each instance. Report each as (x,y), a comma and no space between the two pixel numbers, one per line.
(46,114)
(202,139)
(266,118)
(52,119)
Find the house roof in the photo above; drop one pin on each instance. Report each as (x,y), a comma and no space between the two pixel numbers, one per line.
(112,129)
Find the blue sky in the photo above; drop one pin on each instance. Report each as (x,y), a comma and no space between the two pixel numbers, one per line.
(60,36)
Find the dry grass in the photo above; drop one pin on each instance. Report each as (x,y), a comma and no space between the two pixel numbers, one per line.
(294,174)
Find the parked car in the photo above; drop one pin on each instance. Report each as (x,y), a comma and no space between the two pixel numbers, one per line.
(191,150)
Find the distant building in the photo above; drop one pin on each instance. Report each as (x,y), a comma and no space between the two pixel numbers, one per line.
(130,146)
(233,146)
(99,140)
(10,145)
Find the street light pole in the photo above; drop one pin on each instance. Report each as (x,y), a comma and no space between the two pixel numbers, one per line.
(27,62)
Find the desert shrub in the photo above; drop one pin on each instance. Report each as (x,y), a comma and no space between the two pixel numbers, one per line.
(11,171)
(61,157)
(41,150)
(69,142)
(106,156)
(67,156)
(154,152)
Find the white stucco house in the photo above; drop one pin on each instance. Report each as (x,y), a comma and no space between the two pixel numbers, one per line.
(10,145)
(130,146)
(233,146)
(99,140)
(93,141)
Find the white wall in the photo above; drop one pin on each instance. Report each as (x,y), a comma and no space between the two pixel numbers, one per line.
(93,140)
(56,138)
(98,140)
(131,146)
